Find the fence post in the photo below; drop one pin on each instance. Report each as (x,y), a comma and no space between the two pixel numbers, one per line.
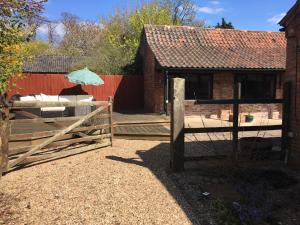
(111,129)
(4,134)
(177,124)
(285,121)
(235,131)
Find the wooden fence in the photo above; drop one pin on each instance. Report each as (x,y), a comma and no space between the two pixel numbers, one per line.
(126,90)
(73,135)
(178,130)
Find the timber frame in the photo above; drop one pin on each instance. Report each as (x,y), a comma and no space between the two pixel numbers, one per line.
(178,130)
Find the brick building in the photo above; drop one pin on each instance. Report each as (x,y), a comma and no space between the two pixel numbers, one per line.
(291,24)
(211,61)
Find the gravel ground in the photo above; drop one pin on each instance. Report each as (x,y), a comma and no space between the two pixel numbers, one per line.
(119,185)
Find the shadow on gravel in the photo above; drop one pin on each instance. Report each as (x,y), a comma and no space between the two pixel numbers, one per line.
(157,160)
(212,176)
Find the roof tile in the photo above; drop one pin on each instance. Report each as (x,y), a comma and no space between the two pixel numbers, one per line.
(192,47)
(49,64)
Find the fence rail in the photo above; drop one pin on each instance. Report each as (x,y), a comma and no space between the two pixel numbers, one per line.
(39,104)
(178,130)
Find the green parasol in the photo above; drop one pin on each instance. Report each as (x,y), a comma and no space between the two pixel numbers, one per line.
(85,77)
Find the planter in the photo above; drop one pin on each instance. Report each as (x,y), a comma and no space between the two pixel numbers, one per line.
(249,118)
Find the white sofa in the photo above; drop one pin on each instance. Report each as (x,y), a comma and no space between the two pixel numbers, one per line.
(81,110)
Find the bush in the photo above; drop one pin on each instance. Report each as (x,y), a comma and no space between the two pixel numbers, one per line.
(254,206)
(225,214)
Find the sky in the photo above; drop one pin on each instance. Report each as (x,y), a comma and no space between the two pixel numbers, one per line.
(245,15)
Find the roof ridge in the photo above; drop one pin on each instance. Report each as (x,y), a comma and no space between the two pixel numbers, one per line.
(210,28)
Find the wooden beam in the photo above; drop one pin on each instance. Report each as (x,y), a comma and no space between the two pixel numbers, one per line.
(39,104)
(239,101)
(79,140)
(111,129)
(68,142)
(4,134)
(55,137)
(44,134)
(53,120)
(153,137)
(204,158)
(230,129)
(235,130)
(177,124)
(26,114)
(119,124)
(66,153)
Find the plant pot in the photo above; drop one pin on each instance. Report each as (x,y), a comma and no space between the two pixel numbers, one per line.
(249,118)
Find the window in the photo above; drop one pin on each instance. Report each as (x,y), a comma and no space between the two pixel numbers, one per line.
(197,86)
(257,86)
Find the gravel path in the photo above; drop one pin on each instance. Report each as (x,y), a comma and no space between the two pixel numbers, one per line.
(119,185)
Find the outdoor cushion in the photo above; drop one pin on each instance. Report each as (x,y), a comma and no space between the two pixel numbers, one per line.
(27,98)
(67,98)
(51,98)
(38,97)
(84,98)
(83,110)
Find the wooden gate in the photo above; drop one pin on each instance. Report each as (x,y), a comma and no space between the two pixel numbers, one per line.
(69,136)
(178,130)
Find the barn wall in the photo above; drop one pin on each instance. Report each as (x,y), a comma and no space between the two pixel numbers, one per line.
(293,75)
(126,90)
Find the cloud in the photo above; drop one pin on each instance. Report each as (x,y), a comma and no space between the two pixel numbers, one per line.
(215,2)
(59,30)
(276,18)
(43,30)
(209,10)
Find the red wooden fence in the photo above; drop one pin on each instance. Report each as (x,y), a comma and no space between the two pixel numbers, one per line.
(128,91)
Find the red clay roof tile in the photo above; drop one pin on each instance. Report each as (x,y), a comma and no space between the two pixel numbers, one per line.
(192,47)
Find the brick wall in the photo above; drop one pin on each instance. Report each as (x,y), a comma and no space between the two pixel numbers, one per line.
(223,89)
(293,74)
(153,83)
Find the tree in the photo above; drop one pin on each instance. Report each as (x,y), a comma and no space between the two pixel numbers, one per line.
(117,48)
(183,12)
(80,37)
(38,47)
(224,25)
(15,17)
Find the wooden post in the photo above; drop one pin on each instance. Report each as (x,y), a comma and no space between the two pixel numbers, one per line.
(235,131)
(4,134)
(111,130)
(285,121)
(177,124)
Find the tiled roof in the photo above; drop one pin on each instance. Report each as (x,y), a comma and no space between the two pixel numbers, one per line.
(191,47)
(49,64)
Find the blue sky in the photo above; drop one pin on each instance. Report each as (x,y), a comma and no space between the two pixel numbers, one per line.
(245,15)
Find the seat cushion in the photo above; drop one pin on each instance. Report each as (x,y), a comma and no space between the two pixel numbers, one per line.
(84,98)
(67,98)
(27,98)
(51,98)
